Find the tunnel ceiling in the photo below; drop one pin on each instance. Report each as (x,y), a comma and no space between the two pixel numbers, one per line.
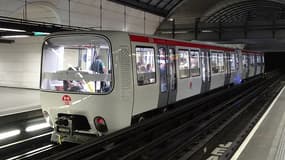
(210,12)
(238,18)
(158,7)
(247,11)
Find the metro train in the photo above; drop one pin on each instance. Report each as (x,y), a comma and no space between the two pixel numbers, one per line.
(95,83)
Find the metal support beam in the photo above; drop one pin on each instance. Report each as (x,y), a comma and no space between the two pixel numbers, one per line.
(173,28)
(246,24)
(220,30)
(69,12)
(273,27)
(142,6)
(196,28)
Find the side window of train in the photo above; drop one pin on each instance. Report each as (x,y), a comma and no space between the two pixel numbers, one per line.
(258,59)
(163,69)
(244,61)
(172,68)
(217,62)
(194,61)
(184,65)
(233,62)
(145,65)
(251,58)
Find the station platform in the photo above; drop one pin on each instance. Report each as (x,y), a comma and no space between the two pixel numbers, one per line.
(266,141)
(17,100)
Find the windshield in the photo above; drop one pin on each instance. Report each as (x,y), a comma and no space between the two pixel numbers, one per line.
(77,63)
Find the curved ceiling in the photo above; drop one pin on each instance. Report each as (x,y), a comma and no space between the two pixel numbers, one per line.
(262,10)
(158,7)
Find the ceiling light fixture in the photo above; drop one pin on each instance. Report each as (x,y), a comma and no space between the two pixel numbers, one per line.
(41,33)
(12,30)
(16,36)
(37,127)
(207,31)
(9,134)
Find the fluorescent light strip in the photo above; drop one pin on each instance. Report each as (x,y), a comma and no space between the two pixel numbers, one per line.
(37,127)
(16,36)
(25,140)
(12,30)
(9,134)
(207,31)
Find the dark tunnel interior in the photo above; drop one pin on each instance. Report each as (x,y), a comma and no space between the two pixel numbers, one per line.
(275,61)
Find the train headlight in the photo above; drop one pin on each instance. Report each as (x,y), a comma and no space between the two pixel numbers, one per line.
(47,118)
(100,124)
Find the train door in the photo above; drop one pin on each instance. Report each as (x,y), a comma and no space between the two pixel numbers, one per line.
(245,66)
(172,75)
(227,68)
(162,63)
(255,64)
(205,69)
(168,80)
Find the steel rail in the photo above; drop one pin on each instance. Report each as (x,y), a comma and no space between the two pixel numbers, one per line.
(126,134)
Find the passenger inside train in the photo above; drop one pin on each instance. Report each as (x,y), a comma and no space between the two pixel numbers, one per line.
(82,65)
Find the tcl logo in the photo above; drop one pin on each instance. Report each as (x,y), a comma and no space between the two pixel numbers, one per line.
(66,99)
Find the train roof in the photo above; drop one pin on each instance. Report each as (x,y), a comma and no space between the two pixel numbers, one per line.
(159,40)
(173,42)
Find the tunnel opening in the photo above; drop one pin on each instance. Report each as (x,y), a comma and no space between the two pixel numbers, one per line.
(274,61)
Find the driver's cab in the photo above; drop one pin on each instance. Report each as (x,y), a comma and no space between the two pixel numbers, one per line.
(78,64)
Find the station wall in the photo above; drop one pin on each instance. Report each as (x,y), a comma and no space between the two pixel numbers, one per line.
(20,61)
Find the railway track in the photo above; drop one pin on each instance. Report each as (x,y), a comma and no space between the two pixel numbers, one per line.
(180,133)
(36,147)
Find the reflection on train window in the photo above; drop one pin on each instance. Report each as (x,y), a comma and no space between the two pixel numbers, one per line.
(258,59)
(244,61)
(172,68)
(145,65)
(233,62)
(163,69)
(237,61)
(77,63)
(183,59)
(251,59)
(217,62)
(194,61)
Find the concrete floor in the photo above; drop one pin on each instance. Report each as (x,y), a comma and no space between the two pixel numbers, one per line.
(14,100)
(267,142)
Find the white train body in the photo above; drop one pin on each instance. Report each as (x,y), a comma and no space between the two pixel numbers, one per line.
(137,74)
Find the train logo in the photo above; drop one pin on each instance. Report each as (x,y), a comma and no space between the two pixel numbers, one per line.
(66,99)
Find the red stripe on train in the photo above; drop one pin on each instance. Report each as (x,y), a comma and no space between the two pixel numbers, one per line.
(136,38)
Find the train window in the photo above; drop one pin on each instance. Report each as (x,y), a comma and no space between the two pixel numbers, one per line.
(217,62)
(183,61)
(244,61)
(194,61)
(172,68)
(251,59)
(77,64)
(162,68)
(145,65)
(258,59)
(237,61)
(233,62)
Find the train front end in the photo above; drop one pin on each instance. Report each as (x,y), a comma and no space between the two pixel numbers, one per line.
(78,96)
